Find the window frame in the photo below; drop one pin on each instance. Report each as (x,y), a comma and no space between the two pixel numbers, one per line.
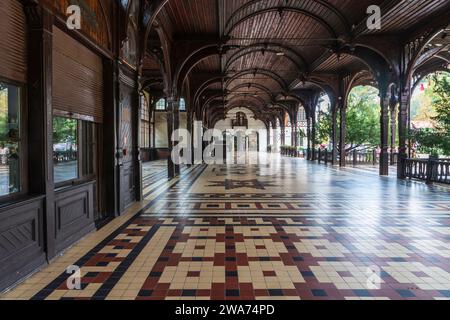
(145,135)
(144,141)
(23,143)
(82,177)
(165,105)
(184,104)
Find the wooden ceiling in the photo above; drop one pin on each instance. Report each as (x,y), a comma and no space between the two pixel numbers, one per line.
(197,17)
(273,43)
(405,15)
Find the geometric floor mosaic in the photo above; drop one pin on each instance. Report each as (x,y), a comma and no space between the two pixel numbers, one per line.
(322,233)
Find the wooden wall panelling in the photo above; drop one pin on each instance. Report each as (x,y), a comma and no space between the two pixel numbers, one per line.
(21,240)
(74,214)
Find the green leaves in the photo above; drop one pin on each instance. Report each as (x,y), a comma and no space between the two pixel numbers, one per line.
(323,128)
(436,140)
(64,130)
(363,119)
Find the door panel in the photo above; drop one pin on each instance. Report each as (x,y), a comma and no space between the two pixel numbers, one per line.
(127,185)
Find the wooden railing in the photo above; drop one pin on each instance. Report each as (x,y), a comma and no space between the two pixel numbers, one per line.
(290,151)
(64,156)
(324,156)
(356,157)
(429,170)
(393,158)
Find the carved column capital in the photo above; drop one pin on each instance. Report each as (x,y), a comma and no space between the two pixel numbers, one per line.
(37,16)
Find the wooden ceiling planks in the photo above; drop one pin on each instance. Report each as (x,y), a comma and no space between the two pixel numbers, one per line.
(353,10)
(193,17)
(321,10)
(302,35)
(209,64)
(261,79)
(149,63)
(335,63)
(267,60)
(406,14)
(290,25)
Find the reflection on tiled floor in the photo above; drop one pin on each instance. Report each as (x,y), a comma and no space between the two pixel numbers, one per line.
(288,230)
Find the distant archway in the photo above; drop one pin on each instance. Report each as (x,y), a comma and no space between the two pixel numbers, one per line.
(287,130)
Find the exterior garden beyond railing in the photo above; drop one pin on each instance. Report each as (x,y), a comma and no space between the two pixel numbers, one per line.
(355,157)
(366,157)
(430,170)
(324,156)
(64,156)
(290,151)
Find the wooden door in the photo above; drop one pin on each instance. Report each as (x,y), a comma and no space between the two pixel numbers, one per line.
(126,137)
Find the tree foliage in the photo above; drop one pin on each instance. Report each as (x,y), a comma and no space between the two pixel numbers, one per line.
(363,120)
(9,126)
(436,140)
(3,114)
(324,127)
(64,130)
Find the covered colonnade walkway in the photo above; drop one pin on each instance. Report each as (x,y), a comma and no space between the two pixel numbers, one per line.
(90,97)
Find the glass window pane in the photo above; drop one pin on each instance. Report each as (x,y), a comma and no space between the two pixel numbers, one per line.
(161,104)
(145,112)
(10,160)
(145,134)
(182,104)
(65,149)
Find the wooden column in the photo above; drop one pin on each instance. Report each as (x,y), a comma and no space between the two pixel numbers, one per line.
(189,127)
(384,128)
(308,138)
(40,111)
(342,133)
(110,138)
(393,110)
(204,143)
(153,112)
(405,98)
(170,126)
(334,134)
(283,135)
(313,133)
(295,132)
(176,126)
(293,135)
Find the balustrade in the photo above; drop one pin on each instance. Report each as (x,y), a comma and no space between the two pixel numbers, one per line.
(429,170)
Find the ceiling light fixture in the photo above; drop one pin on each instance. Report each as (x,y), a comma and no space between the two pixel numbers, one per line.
(280,53)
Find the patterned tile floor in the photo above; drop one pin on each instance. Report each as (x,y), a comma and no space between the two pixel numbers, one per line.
(285,230)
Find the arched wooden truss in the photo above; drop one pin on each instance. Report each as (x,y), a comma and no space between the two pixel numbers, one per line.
(277,55)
